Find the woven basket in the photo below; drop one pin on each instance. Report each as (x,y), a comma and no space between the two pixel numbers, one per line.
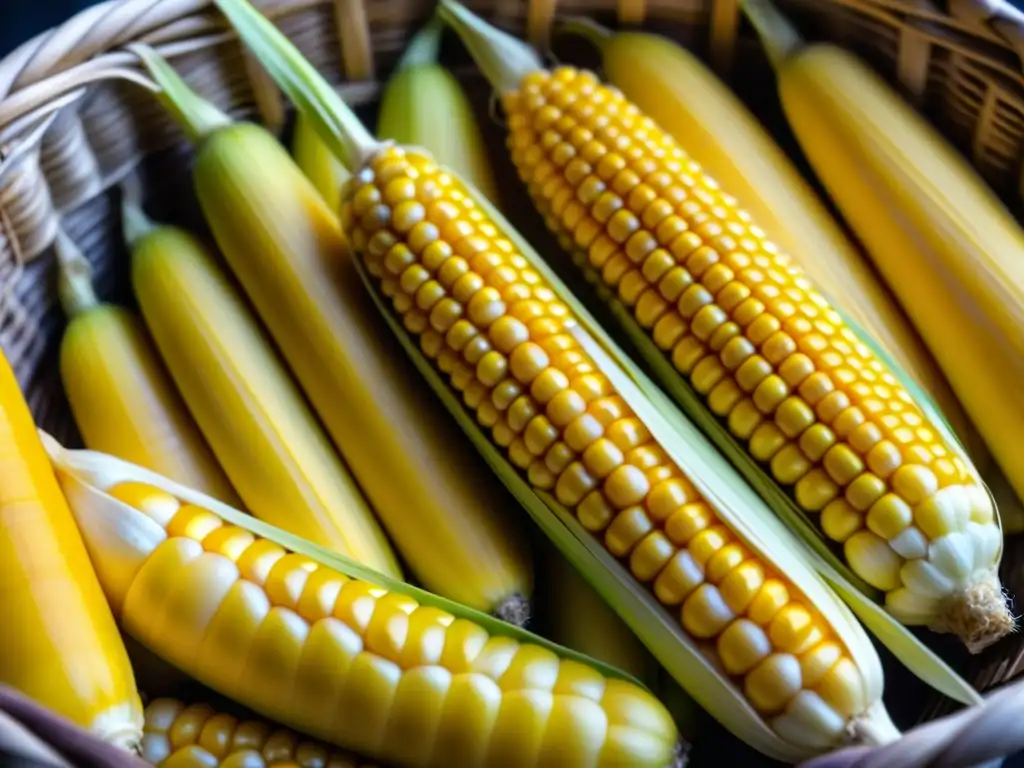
(74,123)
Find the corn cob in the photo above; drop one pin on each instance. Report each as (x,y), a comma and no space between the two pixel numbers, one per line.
(61,646)
(250,411)
(120,394)
(676,90)
(423,105)
(943,242)
(506,341)
(365,667)
(753,337)
(578,618)
(324,170)
(197,736)
(449,520)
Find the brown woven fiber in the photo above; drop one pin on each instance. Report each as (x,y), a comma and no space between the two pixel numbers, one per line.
(77,119)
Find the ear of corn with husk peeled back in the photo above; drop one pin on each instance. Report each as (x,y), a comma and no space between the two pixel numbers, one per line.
(947,247)
(725,600)
(324,645)
(251,412)
(450,521)
(180,735)
(735,323)
(61,646)
(121,395)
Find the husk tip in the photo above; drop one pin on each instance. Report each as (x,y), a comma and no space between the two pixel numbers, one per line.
(979,615)
(514,609)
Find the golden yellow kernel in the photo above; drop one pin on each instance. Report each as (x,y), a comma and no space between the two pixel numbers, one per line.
(830,406)
(527,361)
(741,584)
(565,407)
(687,353)
(742,646)
(865,491)
(724,561)
(754,370)
(594,512)
(793,416)
(889,516)
(650,556)
(680,576)
(772,596)
(669,330)
(771,684)
(914,483)
(794,630)
(723,398)
(629,526)
(705,614)
(744,418)
(815,663)
(839,520)
(815,490)
(573,484)
(842,464)
(673,283)
(815,441)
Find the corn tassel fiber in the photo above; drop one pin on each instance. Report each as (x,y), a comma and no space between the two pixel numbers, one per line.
(61,646)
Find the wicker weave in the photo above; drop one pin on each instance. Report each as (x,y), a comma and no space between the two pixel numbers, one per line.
(74,123)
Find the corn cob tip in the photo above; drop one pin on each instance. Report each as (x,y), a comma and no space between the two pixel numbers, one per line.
(514,609)
(979,615)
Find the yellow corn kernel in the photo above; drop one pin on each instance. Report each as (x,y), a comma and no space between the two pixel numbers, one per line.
(742,646)
(773,682)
